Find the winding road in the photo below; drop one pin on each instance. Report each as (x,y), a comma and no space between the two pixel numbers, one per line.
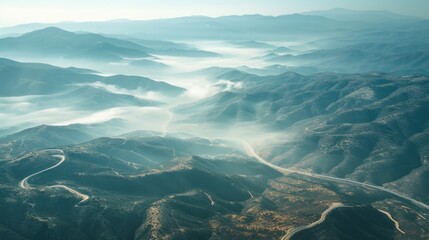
(57,153)
(293,231)
(212,203)
(24,182)
(333,206)
(251,152)
(84,197)
(393,220)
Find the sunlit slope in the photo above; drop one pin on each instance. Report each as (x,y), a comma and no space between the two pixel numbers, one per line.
(157,186)
(129,177)
(368,127)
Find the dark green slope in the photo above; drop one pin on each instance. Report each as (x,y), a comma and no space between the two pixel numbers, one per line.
(352,223)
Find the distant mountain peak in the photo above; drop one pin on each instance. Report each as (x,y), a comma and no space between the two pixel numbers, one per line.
(343,14)
(49,30)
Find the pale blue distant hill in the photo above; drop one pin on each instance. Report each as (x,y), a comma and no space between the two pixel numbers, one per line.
(56,42)
(342,14)
(256,27)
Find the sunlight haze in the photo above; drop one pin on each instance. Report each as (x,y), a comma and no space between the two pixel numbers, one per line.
(14,12)
(208,119)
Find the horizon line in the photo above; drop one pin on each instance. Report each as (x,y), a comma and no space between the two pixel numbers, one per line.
(306,13)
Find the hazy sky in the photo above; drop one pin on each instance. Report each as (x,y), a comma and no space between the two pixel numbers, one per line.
(14,12)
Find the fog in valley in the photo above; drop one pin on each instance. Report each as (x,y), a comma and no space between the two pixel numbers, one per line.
(312,125)
(196,75)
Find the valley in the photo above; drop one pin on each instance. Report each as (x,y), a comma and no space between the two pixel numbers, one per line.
(300,126)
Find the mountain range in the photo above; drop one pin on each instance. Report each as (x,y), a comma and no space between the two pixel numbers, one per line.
(35,79)
(346,125)
(301,126)
(256,27)
(52,42)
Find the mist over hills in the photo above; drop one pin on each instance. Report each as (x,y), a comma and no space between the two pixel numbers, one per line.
(34,79)
(256,27)
(197,27)
(71,45)
(344,122)
(53,44)
(365,57)
(301,126)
